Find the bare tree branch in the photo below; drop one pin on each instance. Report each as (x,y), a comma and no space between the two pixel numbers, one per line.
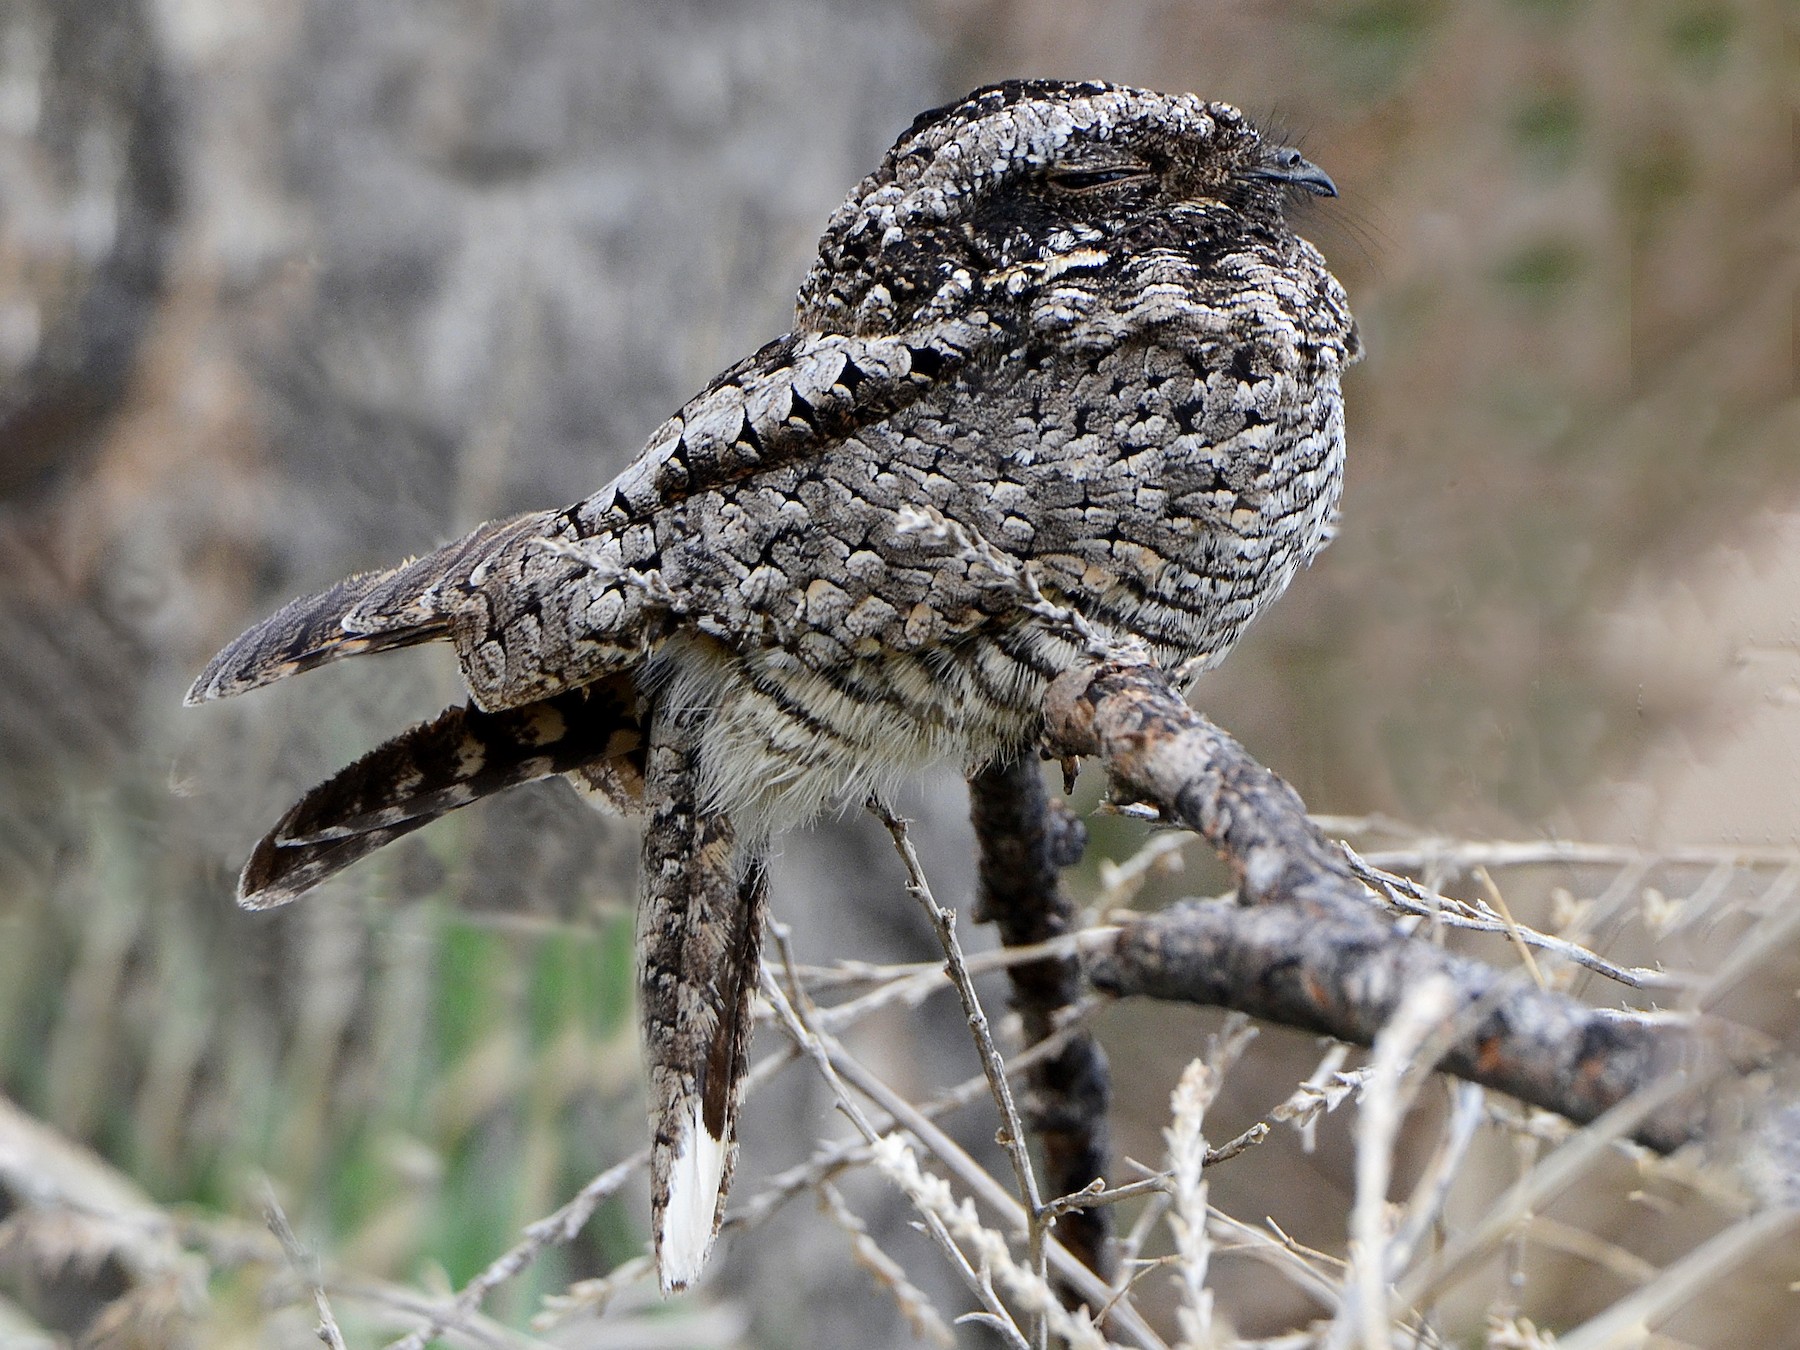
(1022,846)
(1303,945)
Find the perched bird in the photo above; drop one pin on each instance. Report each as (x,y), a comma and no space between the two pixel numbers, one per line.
(1061,343)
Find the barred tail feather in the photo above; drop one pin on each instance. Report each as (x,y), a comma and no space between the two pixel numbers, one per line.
(433,768)
(277,873)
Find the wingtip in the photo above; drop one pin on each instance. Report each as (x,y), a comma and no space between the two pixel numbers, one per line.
(205,688)
(232,672)
(304,633)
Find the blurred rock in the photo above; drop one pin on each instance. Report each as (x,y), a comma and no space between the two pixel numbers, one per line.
(88,194)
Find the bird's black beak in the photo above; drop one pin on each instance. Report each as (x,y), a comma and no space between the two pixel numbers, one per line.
(1289,167)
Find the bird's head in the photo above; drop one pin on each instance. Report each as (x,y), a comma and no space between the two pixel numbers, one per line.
(1018,175)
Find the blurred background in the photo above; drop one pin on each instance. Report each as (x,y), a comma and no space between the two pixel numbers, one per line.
(290,288)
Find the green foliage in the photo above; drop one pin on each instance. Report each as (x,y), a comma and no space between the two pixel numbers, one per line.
(1700,35)
(1547,126)
(1539,272)
(1375,45)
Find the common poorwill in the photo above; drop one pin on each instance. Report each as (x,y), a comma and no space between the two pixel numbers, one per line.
(1065,331)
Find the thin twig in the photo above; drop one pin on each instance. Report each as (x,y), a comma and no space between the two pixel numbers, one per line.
(303,1265)
(554,1229)
(817,1048)
(993,1063)
(1406,896)
(1091,1196)
(910,983)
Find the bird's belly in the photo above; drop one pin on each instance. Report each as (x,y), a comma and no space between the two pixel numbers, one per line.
(785,741)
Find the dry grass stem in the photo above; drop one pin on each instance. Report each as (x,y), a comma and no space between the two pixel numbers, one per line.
(895,1159)
(1120,882)
(982,1186)
(1198,1086)
(1396,1070)
(1193,1096)
(593,1297)
(1131,1269)
(914,1306)
(1628,1322)
(1425,1207)
(1578,1242)
(829,1159)
(1550,1176)
(1314,1273)
(401,1305)
(820,1050)
(1773,934)
(1498,902)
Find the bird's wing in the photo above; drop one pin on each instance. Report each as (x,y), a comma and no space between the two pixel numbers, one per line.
(797,397)
(554,600)
(545,602)
(312,631)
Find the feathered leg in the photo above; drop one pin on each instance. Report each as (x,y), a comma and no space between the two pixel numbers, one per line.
(699,944)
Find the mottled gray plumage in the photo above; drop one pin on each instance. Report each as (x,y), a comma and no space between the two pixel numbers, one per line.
(1069,324)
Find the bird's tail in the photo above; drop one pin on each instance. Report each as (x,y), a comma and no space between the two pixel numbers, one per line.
(369,612)
(699,953)
(593,733)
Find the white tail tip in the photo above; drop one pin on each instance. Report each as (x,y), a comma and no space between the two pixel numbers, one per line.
(689,1222)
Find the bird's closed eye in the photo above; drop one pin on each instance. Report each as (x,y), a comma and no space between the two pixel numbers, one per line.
(1088,179)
